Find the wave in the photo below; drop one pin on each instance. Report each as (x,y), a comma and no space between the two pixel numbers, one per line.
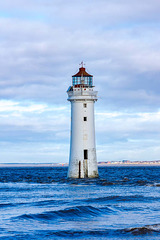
(123,198)
(68,213)
(4,205)
(48,202)
(156,185)
(65,181)
(140,232)
(74,234)
(147,229)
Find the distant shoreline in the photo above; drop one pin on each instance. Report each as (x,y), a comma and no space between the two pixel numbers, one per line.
(3,165)
(129,165)
(32,165)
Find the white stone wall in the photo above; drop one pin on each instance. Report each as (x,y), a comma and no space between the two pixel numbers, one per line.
(82,134)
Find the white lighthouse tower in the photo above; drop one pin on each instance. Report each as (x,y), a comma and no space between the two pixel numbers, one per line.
(82,161)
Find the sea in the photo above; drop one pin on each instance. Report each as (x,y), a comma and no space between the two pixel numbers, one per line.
(41,203)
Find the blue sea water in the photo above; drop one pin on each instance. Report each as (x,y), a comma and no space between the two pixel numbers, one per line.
(41,203)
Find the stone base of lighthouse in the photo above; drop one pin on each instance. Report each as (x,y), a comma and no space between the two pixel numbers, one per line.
(83,168)
(83,160)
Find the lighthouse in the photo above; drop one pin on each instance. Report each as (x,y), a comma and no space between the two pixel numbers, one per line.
(82,159)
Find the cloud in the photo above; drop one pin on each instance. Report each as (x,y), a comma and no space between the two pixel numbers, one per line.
(37,131)
(28,121)
(40,61)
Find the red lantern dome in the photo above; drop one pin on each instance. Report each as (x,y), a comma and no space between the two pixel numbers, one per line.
(82,78)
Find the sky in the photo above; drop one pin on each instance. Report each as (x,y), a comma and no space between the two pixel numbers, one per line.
(42,44)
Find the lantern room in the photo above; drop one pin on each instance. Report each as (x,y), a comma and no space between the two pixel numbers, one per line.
(82,78)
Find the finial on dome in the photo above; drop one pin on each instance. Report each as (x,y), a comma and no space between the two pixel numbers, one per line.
(82,64)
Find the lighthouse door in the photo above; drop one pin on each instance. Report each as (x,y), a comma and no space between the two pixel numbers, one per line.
(85,163)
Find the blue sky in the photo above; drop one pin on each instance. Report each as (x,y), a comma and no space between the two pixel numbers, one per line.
(42,44)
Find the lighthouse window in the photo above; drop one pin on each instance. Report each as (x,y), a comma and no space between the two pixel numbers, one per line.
(85,154)
(85,119)
(85,105)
